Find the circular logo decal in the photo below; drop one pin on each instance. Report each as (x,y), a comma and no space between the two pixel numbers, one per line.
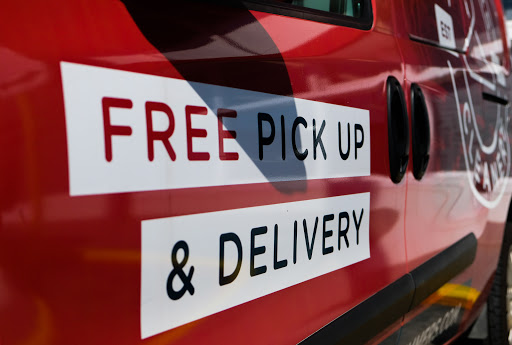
(485,139)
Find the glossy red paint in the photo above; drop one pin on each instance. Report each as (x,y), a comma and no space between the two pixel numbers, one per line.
(70,266)
(441,207)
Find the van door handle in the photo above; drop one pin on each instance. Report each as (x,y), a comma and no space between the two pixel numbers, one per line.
(398,130)
(420,132)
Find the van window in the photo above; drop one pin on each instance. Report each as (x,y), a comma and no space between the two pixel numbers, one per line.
(352,13)
(352,8)
(507,7)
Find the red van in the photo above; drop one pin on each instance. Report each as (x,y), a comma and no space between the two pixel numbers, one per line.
(255,172)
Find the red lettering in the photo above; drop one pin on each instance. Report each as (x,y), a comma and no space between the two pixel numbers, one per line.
(223,134)
(195,133)
(162,136)
(108,128)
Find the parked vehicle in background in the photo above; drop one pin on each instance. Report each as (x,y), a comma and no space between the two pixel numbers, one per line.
(254,172)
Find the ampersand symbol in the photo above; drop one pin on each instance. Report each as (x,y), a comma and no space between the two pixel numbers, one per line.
(178,270)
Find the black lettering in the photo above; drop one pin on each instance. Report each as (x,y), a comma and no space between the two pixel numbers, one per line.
(328,233)
(300,155)
(317,139)
(254,271)
(445,30)
(282,263)
(308,247)
(343,155)
(223,280)
(186,278)
(295,242)
(343,233)
(261,139)
(358,223)
(283,145)
(359,144)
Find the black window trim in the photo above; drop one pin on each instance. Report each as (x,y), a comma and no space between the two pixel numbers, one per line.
(365,22)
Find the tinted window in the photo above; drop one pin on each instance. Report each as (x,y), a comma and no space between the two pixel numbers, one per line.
(352,13)
(507,6)
(352,8)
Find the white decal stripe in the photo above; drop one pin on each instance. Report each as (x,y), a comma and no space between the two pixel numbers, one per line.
(467,41)
(280,236)
(311,139)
